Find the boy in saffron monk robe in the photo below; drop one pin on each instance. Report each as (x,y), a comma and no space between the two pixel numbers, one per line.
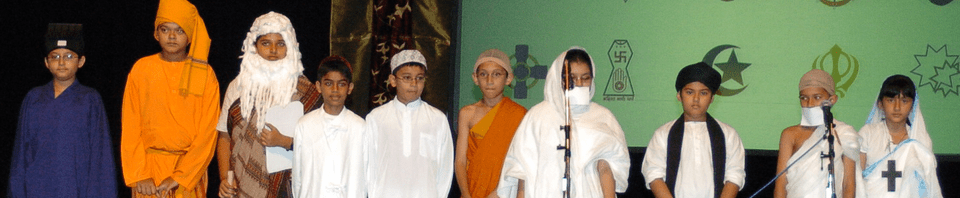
(486,128)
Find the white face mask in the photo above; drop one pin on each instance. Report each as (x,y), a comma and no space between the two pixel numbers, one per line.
(812,116)
(579,100)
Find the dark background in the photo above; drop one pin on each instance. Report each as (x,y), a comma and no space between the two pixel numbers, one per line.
(117,34)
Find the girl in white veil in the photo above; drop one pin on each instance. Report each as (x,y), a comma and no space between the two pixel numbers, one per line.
(895,146)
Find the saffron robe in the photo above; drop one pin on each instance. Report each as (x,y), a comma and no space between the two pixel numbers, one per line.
(62,148)
(328,155)
(487,146)
(166,134)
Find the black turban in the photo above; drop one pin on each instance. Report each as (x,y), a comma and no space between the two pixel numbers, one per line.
(699,72)
(62,35)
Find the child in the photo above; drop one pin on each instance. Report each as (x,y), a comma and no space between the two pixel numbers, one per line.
(807,177)
(62,148)
(328,153)
(896,148)
(486,127)
(260,111)
(409,147)
(695,155)
(170,108)
(599,161)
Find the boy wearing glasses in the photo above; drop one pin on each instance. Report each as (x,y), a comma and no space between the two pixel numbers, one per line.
(62,148)
(408,143)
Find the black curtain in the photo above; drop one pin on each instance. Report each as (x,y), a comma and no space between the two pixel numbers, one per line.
(117,33)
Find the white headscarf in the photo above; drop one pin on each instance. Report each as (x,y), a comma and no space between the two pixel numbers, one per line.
(917,128)
(553,87)
(261,83)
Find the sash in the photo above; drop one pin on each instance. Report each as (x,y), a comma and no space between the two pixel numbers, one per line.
(487,152)
(717,146)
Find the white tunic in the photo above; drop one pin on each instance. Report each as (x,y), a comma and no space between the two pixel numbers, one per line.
(914,163)
(695,174)
(533,155)
(807,178)
(328,155)
(410,151)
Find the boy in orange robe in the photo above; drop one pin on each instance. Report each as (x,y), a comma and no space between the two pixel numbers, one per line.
(170,109)
(486,127)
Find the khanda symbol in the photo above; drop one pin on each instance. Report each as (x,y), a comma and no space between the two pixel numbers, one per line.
(523,71)
(842,67)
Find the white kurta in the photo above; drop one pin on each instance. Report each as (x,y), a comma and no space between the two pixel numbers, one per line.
(410,151)
(533,155)
(808,176)
(328,155)
(914,162)
(695,174)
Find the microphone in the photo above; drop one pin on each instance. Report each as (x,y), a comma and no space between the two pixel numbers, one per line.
(827,115)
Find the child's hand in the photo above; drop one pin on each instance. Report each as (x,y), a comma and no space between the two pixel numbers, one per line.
(270,136)
(146,187)
(227,189)
(167,186)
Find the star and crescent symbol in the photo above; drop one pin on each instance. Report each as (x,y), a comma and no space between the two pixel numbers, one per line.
(732,69)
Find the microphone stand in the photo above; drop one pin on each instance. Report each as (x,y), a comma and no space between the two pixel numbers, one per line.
(828,118)
(566,131)
(828,122)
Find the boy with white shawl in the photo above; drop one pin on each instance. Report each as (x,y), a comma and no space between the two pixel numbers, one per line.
(808,176)
(695,155)
(599,162)
(260,111)
(898,151)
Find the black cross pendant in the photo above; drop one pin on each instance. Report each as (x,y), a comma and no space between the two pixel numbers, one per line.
(891,174)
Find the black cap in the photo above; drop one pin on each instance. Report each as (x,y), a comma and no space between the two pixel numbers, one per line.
(64,35)
(699,72)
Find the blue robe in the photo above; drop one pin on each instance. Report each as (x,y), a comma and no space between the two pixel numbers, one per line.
(63,146)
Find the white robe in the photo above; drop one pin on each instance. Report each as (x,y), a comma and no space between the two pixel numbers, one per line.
(328,155)
(533,155)
(410,151)
(695,174)
(914,161)
(807,178)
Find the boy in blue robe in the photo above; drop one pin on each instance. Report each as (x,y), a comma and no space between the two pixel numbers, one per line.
(62,148)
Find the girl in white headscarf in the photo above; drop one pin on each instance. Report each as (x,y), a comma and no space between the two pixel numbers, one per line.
(895,146)
(599,162)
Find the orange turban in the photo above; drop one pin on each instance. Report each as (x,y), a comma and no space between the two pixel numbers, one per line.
(185,14)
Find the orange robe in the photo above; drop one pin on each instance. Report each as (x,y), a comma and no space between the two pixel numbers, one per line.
(487,147)
(166,134)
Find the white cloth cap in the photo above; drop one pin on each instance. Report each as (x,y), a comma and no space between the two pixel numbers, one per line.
(407,56)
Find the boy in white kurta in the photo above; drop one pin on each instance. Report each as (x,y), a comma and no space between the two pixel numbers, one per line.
(409,145)
(599,161)
(897,149)
(328,157)
(712,159)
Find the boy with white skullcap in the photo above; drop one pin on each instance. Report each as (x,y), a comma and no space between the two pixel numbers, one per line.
(409,145)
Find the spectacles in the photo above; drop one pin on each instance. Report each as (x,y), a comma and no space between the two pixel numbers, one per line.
(57,57)
(410,79)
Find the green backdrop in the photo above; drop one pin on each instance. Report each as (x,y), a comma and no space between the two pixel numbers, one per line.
(639,46)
